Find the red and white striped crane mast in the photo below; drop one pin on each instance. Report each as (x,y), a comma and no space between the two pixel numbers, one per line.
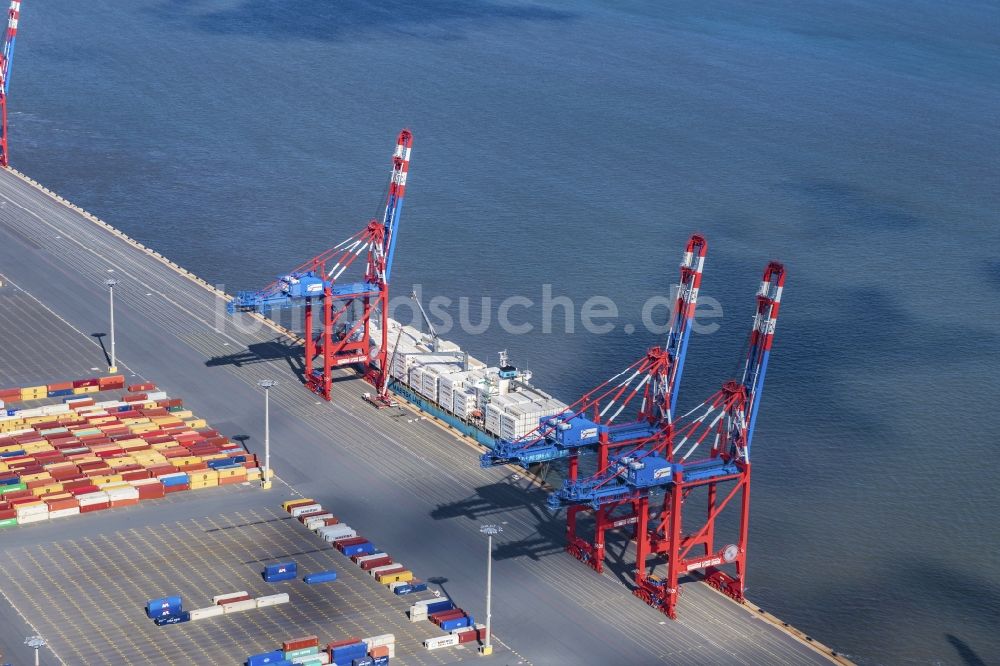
(6,59)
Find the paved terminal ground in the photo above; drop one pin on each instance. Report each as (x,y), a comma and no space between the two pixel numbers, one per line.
(403,481)
(83,582)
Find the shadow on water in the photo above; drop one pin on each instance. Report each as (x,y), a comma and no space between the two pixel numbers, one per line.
(965,653)
(100,340)
(337,21)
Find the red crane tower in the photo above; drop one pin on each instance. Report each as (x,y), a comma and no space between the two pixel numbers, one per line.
(6,59)
(349,311)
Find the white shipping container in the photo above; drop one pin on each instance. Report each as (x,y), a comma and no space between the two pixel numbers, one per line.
(156,395)
(317,521)
(318,658)
(441,642)
(211,611)
(385,567)
(379,641)
(417,613)
(373,556)
(122,493)
(32,511)
(62,513)
(307,508)
(33,518)
(87,499)
(272,600)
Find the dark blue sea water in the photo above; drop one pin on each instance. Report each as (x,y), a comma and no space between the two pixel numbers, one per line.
(577,144)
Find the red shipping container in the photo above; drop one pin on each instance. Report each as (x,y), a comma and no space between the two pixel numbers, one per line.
(377,562)
(145,386)
(83,490)
(157,470)
(379,651)
(65,503)
(23,499)
(93,381)
(95,507)
(8,513)
(303,517)
(242,597)
(342,643)
(136,475)
(111,382)
(299,643)
(150,491)
(340,544)
(331,521)
(124,502)
(177,488)
(438,618)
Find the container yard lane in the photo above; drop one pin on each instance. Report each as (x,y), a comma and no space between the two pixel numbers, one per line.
(406,483)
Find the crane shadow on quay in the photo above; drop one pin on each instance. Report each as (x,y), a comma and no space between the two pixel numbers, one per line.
(548,536)
(278,349)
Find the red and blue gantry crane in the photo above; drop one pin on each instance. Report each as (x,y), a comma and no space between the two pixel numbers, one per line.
(349,312)
(6,59)
(707,448)
(650,386)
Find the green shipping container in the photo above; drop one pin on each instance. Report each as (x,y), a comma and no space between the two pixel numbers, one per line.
(8,522)
(301,652)
(11,488)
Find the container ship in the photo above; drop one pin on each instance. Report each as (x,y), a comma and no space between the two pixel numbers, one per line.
(480,401)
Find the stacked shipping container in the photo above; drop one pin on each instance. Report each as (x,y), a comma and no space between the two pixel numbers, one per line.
(84,455)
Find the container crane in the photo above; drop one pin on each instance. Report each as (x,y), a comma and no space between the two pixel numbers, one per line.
(6,60)
(589,424)
(347,308)
(721,431)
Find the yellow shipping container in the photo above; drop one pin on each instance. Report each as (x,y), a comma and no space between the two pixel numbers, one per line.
(3,466)
(113,484)
(10,447)
(36,447)
(80,390)
(253,474)
(34,392)
(285,505)
(204,476)
(41,476)
(395,577)
(47,490)
(140,428)
(231,472)
(105,478)
(196,423)
(121,461)
(182,414)
(135,419)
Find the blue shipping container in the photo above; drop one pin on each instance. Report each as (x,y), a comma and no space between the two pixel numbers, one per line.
(380,661)
(173,619)
(11,454)
(439,605)
(418,586)
(281,568)
(320,577)
(155,607)
(365,548)
(364,661)
(10,481)
(266,658)
(178,480)
(457,623)
(60,393)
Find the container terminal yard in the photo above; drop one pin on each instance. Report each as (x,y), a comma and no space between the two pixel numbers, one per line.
(412,486)
(141,522)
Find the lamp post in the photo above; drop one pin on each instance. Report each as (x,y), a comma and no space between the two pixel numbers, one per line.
(490,531)
(36,643)
(111,282)
(266,384)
